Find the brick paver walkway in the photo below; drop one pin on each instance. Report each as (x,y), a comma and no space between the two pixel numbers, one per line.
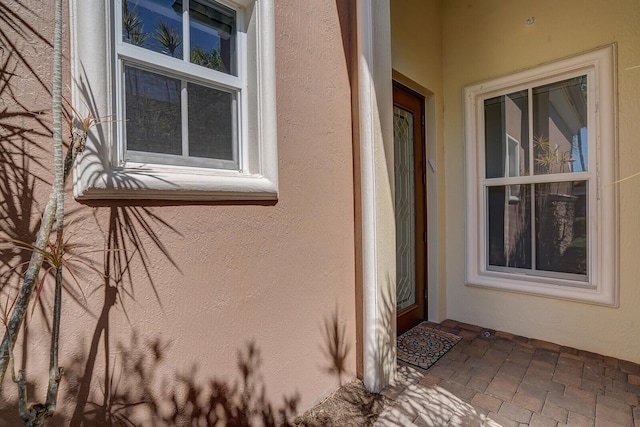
(492,379)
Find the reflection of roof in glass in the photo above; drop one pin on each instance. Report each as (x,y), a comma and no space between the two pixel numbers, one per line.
(570,102)
(210,16)
(160,7)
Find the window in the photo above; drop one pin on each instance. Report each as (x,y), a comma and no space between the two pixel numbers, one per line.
(541,207)
(190,88)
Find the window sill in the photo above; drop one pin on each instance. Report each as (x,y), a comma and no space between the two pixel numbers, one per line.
(553,288)
(187,184)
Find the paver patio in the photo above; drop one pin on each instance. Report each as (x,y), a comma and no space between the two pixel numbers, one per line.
(493,378)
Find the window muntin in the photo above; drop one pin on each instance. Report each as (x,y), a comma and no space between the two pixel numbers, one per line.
(510,244)
(550,240)
(178,107)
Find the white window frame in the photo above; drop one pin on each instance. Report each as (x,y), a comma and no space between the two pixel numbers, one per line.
(601,284)
(102,172)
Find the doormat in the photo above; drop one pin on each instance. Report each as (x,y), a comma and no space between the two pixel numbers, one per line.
(422,346)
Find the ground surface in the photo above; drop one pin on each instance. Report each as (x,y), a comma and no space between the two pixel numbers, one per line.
(494,379)
(349,406)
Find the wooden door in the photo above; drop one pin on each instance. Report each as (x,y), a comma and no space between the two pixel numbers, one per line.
(410,210)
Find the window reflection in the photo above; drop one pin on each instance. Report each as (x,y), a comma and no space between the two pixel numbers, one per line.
(561,227)
(509,227)
(507,135)
(153,25)
(560,127)
(212,32)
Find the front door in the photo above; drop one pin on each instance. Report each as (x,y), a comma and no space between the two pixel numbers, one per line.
(410,212)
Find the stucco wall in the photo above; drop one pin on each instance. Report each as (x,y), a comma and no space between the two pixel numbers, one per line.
(416,50)
(204,280)
(489,38)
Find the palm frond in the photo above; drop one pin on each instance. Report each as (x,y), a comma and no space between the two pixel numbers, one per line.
(169,38)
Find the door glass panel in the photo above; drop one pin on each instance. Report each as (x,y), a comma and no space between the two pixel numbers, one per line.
(404,207)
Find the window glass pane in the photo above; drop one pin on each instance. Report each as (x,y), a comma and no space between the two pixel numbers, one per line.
(561,227)
(212,30)
(211,123)
(560,126)
(153,112)
(509,233)
(153,24)
(506,120)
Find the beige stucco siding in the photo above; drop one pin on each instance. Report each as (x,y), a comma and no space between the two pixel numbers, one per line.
(486,39)
(217,276)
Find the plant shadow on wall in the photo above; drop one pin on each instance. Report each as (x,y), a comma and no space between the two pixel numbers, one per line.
(335,348)
(132,368)
(385,358)
(128,228)
(351,405)
(187,399)
(20,128)
(121,393)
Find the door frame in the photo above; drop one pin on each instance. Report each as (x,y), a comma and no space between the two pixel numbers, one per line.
(410,100)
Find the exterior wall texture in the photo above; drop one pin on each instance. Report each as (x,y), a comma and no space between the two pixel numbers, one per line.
(486,39)
(192,288)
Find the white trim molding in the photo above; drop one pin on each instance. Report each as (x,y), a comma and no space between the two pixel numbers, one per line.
(600,283)
(101,172)
(375,101)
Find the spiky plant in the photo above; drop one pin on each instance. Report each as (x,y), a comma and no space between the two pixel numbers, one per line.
(548,157)
(132,25)
(168,38)
(45,249)
(210,59)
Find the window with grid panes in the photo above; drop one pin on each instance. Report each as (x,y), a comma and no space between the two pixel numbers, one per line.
(192,85)
(541,210)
